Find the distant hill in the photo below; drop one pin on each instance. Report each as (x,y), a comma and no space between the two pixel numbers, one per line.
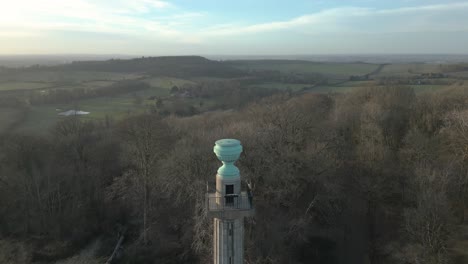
(177,66)
(20,61)
(353,58)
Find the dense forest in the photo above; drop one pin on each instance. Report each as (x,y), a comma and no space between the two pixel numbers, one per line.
(374,175)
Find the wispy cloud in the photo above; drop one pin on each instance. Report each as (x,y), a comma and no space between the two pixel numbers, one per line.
(130,17)
(159,20)
(438,7)
(439,17)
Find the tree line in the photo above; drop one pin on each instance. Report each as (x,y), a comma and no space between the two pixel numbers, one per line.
(376,175)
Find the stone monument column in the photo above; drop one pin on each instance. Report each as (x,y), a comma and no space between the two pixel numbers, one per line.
(228,205)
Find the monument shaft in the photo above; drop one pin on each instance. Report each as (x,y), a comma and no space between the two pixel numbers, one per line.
(228,205)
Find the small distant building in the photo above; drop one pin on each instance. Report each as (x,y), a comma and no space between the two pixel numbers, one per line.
(73,113)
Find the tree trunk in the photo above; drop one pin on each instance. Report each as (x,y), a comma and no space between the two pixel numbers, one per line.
(117,247)
(371,231)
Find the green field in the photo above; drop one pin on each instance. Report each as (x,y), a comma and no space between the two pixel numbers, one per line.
(295,87)
(463,74)
(329,89)
(40,118)
(349,86)
(341,69)
(10,86)
(282,86)
(210,79)
(167,82)
(64,80)
(356,84)
(97,84)
(117,107)
(65,76)
(409,69)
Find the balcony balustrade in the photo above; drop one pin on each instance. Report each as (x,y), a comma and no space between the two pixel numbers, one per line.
(229,205)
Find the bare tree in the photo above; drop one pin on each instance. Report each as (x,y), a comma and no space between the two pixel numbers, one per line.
(145,140)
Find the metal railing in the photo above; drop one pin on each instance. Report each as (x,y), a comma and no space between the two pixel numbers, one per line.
(215,202)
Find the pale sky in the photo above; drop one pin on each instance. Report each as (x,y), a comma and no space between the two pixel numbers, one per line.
(232,27)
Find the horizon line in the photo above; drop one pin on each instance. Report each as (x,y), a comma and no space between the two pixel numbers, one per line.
(202,55)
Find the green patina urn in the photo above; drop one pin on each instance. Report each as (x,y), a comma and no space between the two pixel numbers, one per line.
(228,151)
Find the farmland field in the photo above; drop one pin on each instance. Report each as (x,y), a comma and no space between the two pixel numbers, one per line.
(282,86)
(463,74)
(328,89)
(356,84)
(208,78)
(408,69)
(39,118)
(96,84)
(65,76)
(9,86)
(167,82)
(342,69)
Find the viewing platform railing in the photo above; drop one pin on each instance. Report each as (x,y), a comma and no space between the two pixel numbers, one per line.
(215,202)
